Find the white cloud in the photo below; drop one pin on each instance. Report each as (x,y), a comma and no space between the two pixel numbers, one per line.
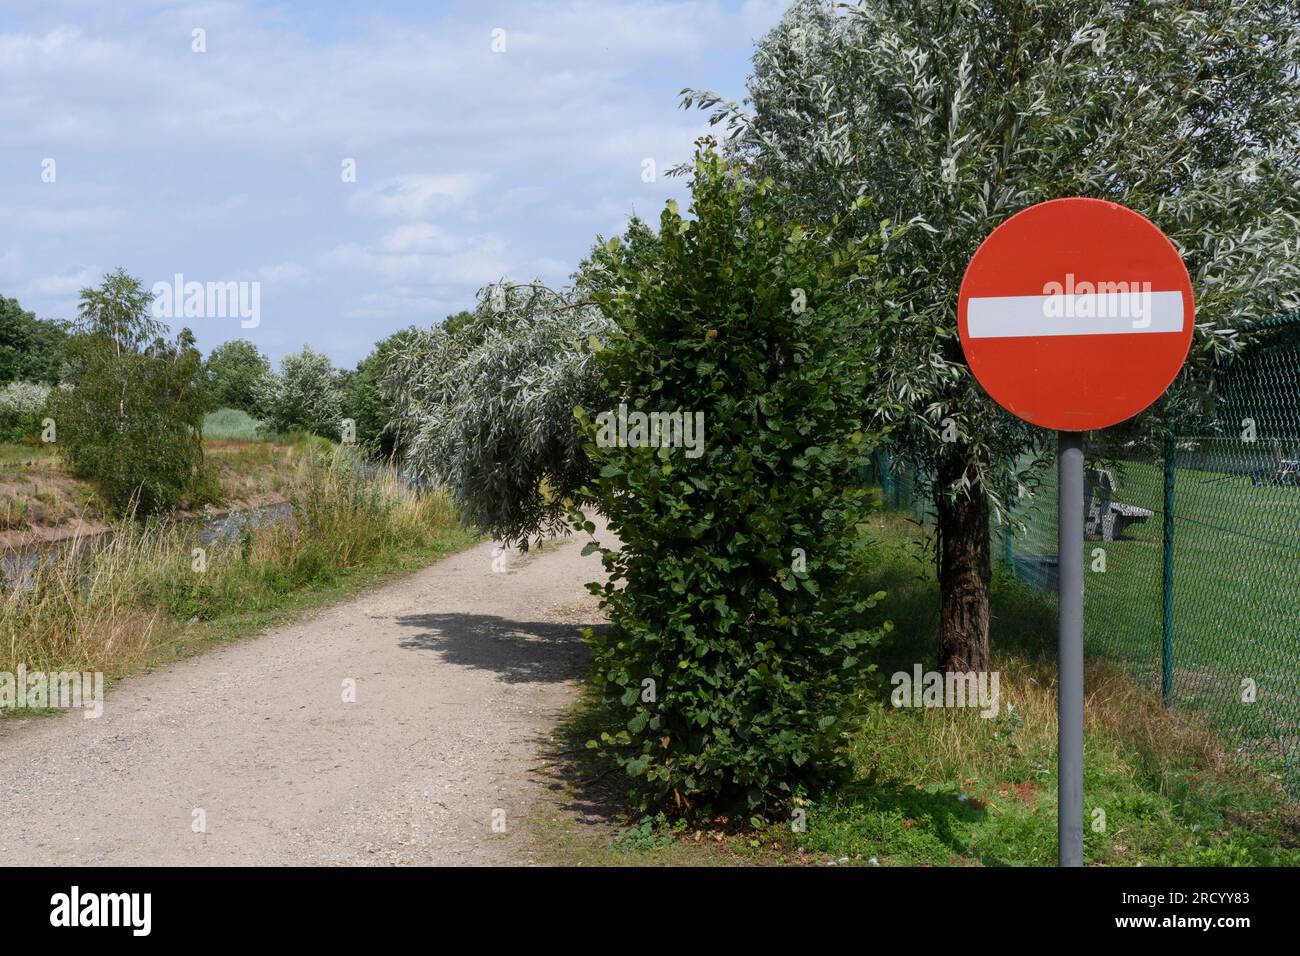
(480,260)
(471,165)
(70,283)
(282,272)
(420,237)
(415,196)
(52,219)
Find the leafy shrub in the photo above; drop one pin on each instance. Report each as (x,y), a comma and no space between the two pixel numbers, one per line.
(304,396)
(22,406)
(734,654)
(236,374)
(130,420)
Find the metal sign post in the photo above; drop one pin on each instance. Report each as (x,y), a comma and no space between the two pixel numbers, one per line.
(1074,315)
(1069,703)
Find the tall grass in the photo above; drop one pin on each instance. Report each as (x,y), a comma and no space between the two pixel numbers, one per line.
(108,604)
(232,423)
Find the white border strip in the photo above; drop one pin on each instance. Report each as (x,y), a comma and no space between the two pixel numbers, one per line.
(1103,313)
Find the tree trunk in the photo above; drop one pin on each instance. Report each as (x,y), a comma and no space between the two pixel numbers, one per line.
(964,572)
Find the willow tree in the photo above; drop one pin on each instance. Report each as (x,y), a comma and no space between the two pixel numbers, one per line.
(953,116)
(484,403)
(485,406)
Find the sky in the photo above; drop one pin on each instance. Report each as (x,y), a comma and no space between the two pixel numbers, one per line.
(361,166)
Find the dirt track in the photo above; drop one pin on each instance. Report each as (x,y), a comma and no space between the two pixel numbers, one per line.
(460,674)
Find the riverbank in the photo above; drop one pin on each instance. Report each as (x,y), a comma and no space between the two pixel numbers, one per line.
(146,593)
(41,504)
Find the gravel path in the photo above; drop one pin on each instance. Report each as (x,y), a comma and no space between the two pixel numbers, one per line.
(460,674)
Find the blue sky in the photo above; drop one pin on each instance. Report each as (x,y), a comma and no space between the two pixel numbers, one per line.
(225,166)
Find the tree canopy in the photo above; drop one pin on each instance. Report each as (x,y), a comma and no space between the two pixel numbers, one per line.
(132,416)
(485,407)
(31,349)
(952,117)
(236,374)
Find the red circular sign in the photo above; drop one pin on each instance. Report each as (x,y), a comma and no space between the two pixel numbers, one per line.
(1075,314)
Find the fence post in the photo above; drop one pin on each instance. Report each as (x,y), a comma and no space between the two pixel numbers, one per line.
(884,476)
(1167,602)
(1007,556)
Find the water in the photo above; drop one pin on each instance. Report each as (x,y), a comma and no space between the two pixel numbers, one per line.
(17,565)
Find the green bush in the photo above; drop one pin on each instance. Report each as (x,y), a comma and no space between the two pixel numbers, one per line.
(131,418)
(304,396)
(22,406)
(735,652)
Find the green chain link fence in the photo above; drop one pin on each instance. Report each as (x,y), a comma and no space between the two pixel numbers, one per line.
(1192,555)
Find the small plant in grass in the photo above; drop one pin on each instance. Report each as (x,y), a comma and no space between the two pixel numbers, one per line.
(735,655)
(650,833)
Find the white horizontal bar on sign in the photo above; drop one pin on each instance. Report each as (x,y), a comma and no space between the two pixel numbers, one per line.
(1102,313)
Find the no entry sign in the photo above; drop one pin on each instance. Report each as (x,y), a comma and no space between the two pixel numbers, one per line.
(1075,314)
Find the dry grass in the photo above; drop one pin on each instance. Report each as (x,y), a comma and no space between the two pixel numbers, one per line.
(105,604)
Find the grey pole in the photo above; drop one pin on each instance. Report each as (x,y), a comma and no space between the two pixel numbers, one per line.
(1069,539)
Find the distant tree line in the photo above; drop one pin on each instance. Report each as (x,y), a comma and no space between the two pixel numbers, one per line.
(125,403)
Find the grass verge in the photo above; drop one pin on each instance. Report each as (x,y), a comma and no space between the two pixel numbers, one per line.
(948,787)
(149,593)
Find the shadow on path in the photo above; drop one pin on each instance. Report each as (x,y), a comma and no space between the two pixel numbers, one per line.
(519,651)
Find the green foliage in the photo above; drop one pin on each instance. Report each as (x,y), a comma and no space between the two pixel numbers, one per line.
(232,423)
(22,406)
(236,376)
(486,406)
(454,323)
(954,117)
(131,420)
(732,589)
(365,401)
(651,833)
(304,396)
(31,349)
